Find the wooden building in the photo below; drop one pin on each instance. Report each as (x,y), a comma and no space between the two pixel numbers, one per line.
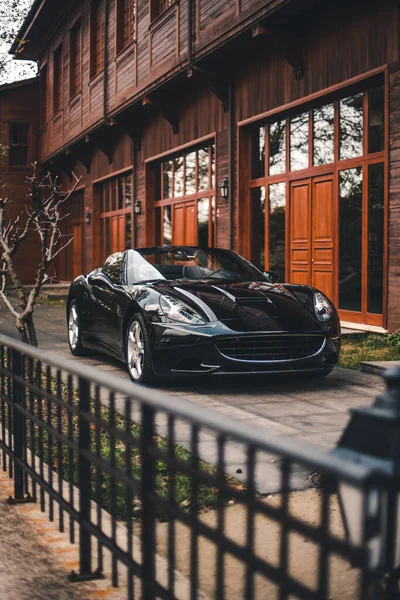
(19,104)
(296,104)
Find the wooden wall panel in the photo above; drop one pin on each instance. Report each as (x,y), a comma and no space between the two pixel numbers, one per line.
(210,11)
(394,204)
(164,38)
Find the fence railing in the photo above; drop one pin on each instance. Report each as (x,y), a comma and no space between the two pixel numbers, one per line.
(100,455)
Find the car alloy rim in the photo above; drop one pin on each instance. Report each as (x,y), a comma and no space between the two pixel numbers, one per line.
(135,350)
(73,327)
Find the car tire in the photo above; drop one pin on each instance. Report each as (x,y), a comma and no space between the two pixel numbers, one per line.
(138,355)
(74,330)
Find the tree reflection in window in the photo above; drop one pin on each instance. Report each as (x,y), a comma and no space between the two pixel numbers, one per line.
(299,142)
(376,225)
(113,267)
(276,229)
(190,174)
(167,179)
(167,225)
(203,174)
(277,147)
(323,133)
(258,227)
(350,239)
(376,119)
(351,127)
(202,221)
(258,153)
(178,176)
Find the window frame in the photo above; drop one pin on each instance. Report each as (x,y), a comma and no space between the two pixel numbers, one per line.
(75,58)
(121,42)
(159,7)
(58,78)
(43,93)
(26,146)
(97,37)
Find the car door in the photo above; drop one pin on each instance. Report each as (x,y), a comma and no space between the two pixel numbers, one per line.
(106,312)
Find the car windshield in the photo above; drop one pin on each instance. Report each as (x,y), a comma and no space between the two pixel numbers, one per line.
(188,262)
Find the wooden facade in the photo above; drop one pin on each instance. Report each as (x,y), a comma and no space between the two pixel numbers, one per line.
(19,105)
(155,102)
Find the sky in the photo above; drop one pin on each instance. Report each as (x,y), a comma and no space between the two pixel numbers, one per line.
(12,14)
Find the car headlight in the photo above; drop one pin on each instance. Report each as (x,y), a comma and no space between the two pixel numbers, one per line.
(322,307)
(178,311)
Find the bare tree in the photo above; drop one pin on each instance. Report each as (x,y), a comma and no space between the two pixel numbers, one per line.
(42,218)
(12,14)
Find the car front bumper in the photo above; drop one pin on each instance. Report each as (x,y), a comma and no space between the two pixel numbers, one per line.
(180,350)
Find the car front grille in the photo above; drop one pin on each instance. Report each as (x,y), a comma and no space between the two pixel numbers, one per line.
(272,348)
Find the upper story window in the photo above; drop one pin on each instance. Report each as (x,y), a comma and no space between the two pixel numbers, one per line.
(96,37)
(75,59)
(18,145)
(43,94)
(57,79)
(157,7)
(126,12)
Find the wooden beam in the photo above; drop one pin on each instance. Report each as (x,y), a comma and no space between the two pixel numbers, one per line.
(166,108)
(286,44)
(218,86)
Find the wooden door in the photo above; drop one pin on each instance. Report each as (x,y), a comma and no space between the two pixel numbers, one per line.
(117,234)
(184,224)
(300,224)
(76,251)
(312,233)
(322,235)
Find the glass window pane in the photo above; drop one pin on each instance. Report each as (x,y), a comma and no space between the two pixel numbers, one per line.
(277,147)
(376,119)
(351,127)
(258,226)
(167,226)
(113,186)
(202,221)
(213,230)
(157,226)
(107,237)
(323,135)
(128,231)
(258,153)
(376,225)
(121,192)
(191,173)
(128,191)
(178,176)
(350,239)
(212,148)
(106,197)
(167,179)
(299,142)
(203,158)
(276,229)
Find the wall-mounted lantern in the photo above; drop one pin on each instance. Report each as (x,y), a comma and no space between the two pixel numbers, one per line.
(138,207)
(88,217)
(224,187)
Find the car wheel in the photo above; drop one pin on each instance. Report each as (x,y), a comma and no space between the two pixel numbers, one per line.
(74,330)
(138,357)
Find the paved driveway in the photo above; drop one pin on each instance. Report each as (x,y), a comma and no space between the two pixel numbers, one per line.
(315,411)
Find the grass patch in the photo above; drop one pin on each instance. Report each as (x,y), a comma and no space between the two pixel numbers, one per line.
(369,347)
(111,493)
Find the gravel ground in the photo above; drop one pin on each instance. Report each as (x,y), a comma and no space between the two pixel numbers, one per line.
(27,570)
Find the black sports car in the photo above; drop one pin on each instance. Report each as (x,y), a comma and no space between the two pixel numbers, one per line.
(185,310)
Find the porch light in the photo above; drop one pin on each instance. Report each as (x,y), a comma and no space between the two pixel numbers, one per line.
(370,515)
(88,217)
(224,187)
(137,207)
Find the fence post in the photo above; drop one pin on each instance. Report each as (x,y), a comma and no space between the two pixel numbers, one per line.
(17,369)
(148,509)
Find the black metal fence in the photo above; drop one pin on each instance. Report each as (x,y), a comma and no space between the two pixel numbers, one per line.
(100,455)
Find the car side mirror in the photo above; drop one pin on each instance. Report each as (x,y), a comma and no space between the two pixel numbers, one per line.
(272,276)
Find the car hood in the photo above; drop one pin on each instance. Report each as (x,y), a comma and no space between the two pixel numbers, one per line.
(244,306)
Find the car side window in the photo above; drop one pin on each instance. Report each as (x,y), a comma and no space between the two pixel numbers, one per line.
(113,267)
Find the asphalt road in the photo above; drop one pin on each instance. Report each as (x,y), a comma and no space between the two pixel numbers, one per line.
(315,411)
